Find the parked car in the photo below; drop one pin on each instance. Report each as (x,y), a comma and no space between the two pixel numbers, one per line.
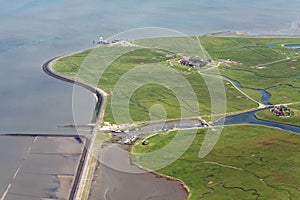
(127,141)
(145,142)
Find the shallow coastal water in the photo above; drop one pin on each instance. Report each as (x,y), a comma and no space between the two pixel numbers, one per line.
(131,182)
(34,31)
(38,167)
(10,156)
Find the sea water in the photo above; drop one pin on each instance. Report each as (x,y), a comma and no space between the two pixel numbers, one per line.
(34,31)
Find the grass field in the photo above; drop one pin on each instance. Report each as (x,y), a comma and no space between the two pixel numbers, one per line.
(248,162)
(278,70)
(294,119)
(260,63)
(260,66)
(249,51)
(148,95)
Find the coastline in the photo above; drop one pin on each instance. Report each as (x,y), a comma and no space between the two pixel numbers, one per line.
(89,163)
(78,187)
(83,168)
(169,178)
(99,113)
(121,182)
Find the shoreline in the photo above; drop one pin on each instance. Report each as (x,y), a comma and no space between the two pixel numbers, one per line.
(181,182)
(241,33)
(78,186)
(77,191)
(83,171)
(121,183)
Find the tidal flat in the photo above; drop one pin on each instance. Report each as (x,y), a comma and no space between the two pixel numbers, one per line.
(38,167)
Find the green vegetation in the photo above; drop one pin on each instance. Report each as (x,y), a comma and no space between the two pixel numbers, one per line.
(258,63)
(247,79)
(148,95)
(248,162)
(249,51)
(284,94)
(253,94)
(294,119)
(251,62)
(69,66)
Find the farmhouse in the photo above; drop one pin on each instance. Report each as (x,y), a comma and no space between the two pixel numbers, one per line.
(281,111)
(194,61)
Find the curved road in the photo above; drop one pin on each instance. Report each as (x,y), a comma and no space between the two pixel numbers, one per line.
(113,184)
(117,184)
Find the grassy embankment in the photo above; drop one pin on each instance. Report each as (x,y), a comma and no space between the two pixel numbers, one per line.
(150,94)
(248,162)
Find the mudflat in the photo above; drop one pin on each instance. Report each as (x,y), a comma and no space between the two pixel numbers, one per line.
(116,178)
(38,167)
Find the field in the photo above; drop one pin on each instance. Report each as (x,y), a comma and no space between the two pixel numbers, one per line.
(92,71)
(294,119)
(248,162)
(260,63)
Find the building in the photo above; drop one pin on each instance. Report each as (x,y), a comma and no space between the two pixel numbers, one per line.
(194,61)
